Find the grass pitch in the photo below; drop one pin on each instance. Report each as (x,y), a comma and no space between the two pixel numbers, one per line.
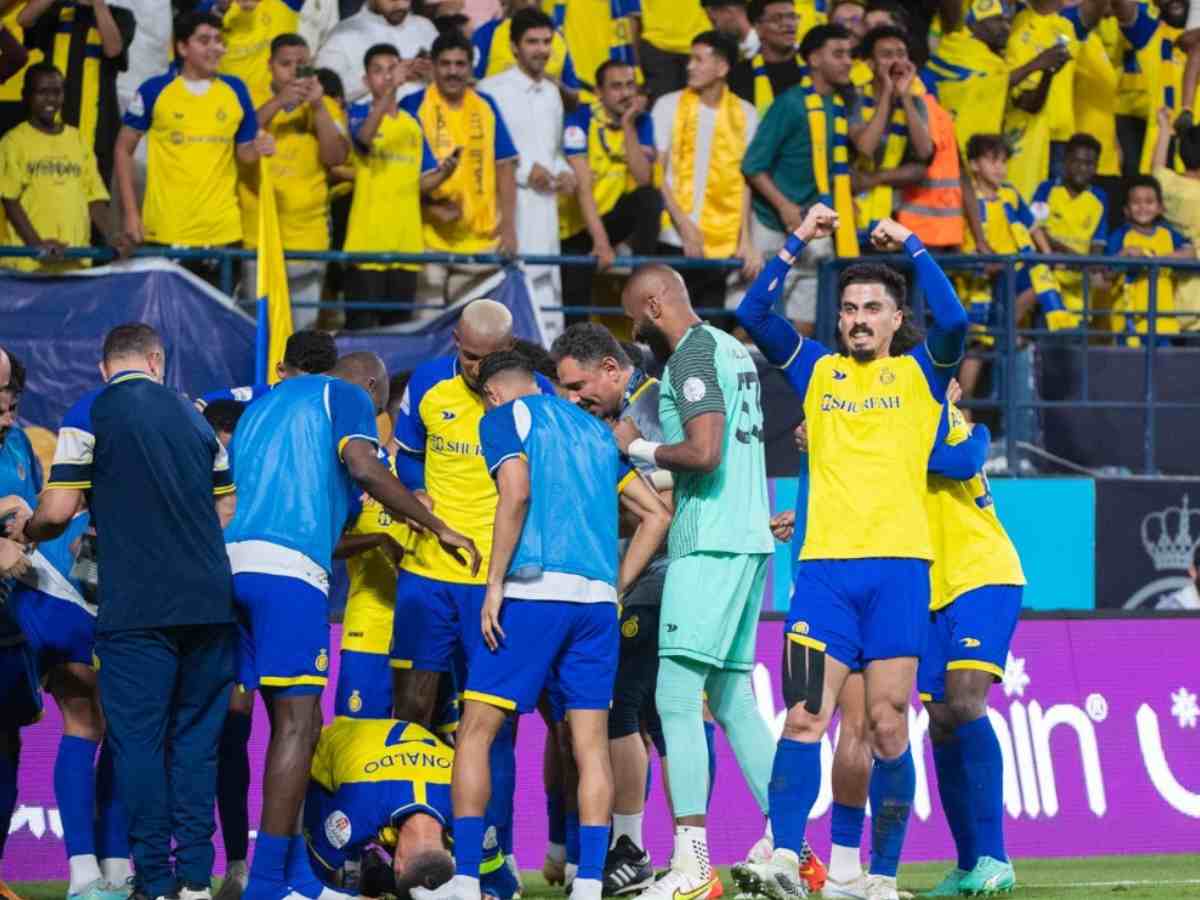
(1175,877)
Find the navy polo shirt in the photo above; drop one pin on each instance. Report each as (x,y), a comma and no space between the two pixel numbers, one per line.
(151,466)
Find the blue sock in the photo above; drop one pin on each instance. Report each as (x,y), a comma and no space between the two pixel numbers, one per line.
(795,781)
(112,825)
(468,845)
(984,776)
(270,861)
(593,847)
(710,738)
(893,783)
(8,794)
(572,840)
(556,816)
(503,763)
(300,876)
(233,785)
(846,825)
(952,788)
(75,790)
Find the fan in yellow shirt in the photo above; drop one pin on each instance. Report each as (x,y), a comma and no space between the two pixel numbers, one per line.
(310,138)
(200,125)
(49,183)
(1181,205)
(248,28)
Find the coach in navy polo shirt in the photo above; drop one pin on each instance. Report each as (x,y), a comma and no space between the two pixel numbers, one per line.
(159,488)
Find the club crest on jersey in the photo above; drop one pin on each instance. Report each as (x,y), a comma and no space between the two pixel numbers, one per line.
(629,628)
(800,628)
(322,662)
(337,829)
(886,376)
(694,390)
(222,115)
(355,702)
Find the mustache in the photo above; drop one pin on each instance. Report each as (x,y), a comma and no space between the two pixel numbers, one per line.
(861,329)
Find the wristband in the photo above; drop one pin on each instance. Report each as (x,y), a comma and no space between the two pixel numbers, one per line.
(643,451)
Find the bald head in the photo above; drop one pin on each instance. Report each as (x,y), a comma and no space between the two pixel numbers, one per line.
(657,301)
(366,370)
(484,328)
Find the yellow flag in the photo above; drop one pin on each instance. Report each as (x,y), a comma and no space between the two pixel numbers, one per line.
(272,286)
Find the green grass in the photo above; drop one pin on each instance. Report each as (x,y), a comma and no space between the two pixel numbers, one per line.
(1118,877)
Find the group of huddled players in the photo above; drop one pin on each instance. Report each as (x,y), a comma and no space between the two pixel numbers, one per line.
(570,535)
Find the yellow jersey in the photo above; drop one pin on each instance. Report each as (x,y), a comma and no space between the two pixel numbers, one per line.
(1157,240)
(191,181)
(10,91)
(1139,59)
(809,14)
(970,546)
(248,35)
(54,177)
(1080,221)
(971,82)
(871,427)
(596,31)
(1095,94)
(439,423)
(1005,219)
(371,601)
(1181,204)
(587,132)
(301,179)
(385,212)
(670,25)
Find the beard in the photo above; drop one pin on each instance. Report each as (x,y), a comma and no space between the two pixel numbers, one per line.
(655,338)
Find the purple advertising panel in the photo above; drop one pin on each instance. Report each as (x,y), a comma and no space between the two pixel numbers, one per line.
(1098,722)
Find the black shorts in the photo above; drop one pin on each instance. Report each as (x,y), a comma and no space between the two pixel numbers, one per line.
(637,675)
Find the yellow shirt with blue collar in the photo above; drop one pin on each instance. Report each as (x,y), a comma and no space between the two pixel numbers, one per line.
(1080,221)
(1157,240)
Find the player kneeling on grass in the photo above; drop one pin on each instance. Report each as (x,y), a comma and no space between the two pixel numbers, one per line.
(386,782)
(549,615)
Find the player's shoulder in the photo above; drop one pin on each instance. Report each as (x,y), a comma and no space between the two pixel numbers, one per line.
(236,85)
(438,374)
(1099,193)
(412,102)
(79,414)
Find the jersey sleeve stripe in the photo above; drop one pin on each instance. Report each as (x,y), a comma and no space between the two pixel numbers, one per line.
(354,437)
(624,482)
(505,458)
(74,447)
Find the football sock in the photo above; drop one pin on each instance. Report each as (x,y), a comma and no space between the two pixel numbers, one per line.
(893,784)
(984,773)
(710,739)
(593,847)
(468,845)
(233,785)
(269,868)
(845,827)
(678,697)
(956,804)
(299,873)
(75,791)
(8,793)
(731,699)
(556,816)
(112,825)
(503,762)
(84,870)
(628,825)
(795,782)
(691,852)
(573,838)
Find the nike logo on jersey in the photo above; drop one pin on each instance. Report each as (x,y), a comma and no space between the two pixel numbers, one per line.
(970,642)
(839,376)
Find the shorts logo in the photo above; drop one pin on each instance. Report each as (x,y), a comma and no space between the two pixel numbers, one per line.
(970,643)
(337,829)
(886,376)
(694,390)
(355,702)
(800,628)
(322,662)
(629,628)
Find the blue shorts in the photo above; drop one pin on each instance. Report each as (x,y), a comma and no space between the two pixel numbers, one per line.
(364,686)
(58,631)
(973,632)
(572,647)
(20,689)
(859,610)
(434,620)
(283,624)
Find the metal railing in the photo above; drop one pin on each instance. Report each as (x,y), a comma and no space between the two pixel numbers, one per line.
(1007,334)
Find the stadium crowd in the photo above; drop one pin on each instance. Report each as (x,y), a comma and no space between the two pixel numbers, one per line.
(182,555)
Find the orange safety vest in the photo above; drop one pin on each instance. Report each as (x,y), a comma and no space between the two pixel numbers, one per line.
(932,208)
